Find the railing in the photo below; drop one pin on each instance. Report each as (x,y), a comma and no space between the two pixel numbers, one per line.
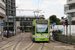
(64,38)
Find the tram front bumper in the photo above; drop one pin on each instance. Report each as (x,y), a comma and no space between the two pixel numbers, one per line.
(42,39)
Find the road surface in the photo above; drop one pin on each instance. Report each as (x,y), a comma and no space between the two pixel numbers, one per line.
(23,42)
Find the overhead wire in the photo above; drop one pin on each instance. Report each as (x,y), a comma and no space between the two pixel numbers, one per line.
(20,12)
(37,4)
(40,4)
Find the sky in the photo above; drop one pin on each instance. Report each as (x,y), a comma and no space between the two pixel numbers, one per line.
(47,7)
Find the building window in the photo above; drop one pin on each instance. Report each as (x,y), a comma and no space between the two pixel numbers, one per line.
(66,8)
(72,14)
(70,0)
(19,18)
(24,18)
(71,7)
(28,19)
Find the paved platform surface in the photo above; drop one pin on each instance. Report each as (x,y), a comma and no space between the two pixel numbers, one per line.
(23,42)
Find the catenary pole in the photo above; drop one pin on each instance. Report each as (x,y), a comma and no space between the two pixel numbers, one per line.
(7,18)
(15,20)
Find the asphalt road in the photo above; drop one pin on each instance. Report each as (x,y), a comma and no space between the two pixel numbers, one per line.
(23,42)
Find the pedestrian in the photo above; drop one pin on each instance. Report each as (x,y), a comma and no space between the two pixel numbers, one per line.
(0,32)
(9,33)
(4,33)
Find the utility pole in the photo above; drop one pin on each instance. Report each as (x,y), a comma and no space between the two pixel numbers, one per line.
(66,23)
(7,1)
(22,26)
(70,21)
(15,20)
(13,23)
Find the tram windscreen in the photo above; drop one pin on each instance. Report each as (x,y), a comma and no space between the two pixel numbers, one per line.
(42,27)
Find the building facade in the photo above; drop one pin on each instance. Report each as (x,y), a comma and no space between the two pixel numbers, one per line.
(25,23)
(22,23)
(2,11)
(11,4)
(11,13)
(69,10)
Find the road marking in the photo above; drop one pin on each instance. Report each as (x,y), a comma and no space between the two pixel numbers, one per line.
(40,48)
(12,47)
(5,46)
(31,46)
(19,43)
(17,46)
(28,46)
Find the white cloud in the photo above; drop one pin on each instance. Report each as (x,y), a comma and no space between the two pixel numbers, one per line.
(51,8)
(24,4)
(48,6)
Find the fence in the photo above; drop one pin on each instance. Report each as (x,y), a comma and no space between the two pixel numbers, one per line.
(64,38)
(63,29)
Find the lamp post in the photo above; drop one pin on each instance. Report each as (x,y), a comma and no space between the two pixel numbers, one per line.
(7,18)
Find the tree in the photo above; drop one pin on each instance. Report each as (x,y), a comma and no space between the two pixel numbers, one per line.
(54,19)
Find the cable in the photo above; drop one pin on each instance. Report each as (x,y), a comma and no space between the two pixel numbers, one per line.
(38,4)
(41,4)
(20,12)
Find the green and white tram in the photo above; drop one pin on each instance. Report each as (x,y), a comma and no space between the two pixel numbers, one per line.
(40,31)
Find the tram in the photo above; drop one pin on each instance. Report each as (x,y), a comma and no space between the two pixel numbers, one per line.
(40,30)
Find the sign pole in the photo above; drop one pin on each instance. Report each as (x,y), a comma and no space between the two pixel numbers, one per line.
(64,27)
(70,21)
(53,29)
(64,30)
(2,29)
(2,32)
(66,33)
(70,34)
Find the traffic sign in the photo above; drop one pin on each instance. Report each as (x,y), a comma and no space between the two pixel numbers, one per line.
(63,24)
(2,24)
(53,24)
(50,31)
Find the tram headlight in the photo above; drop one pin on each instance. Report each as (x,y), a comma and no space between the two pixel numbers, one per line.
(37,36)
(46,36)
